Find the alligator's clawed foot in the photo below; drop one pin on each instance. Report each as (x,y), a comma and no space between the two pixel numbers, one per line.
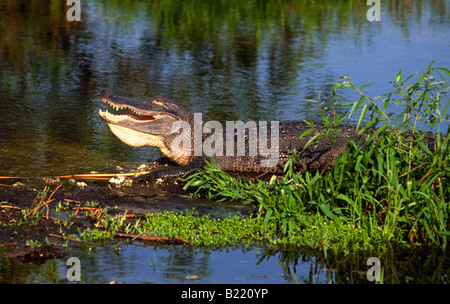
(160,175)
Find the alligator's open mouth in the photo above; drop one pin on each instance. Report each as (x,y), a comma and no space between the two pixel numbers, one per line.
(137,122)
(124,113)
(117,117)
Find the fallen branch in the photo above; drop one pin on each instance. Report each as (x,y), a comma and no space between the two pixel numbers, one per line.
(64,237)
(86,208)
(145,238)
(9,244)
(72,201)
(128,216)
(10,207)
(11,186)
(95,176)
(100,176)
(78,209)
(133,237)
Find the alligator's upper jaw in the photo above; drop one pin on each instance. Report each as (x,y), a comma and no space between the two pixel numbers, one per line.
(136,112)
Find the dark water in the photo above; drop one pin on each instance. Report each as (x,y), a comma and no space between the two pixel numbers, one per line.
(173,265)
(179,265)
(230,60)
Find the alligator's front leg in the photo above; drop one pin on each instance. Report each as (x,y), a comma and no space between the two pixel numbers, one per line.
(169,173)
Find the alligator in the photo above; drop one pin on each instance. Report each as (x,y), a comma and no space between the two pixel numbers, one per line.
(150,122)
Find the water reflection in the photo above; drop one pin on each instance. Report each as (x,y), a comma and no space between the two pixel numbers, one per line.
(179,264)
(135,264)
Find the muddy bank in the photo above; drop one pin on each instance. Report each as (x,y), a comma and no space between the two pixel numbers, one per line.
(138,199)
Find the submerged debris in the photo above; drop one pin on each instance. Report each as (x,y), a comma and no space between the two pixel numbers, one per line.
(36,254)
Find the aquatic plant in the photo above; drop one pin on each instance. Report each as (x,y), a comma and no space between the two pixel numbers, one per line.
(394,185)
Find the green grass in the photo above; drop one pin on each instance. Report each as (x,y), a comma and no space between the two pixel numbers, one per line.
(205,231)
(394,188)
(233,231)
(209,233)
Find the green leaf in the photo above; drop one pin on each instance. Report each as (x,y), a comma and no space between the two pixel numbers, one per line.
(447,71)
(267,217)
(313,139)
(399,76)
(379,131)
(196,183)
(306,133)
(326,209)
(336,86)
(361,117)
(356,105)
(425,148)
(366,85)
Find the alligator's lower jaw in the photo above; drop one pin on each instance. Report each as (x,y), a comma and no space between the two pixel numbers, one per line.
(127,135)
(130,116)
(134,138)
(138,139)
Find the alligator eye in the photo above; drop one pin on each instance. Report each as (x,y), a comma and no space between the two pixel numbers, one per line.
(158,102)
